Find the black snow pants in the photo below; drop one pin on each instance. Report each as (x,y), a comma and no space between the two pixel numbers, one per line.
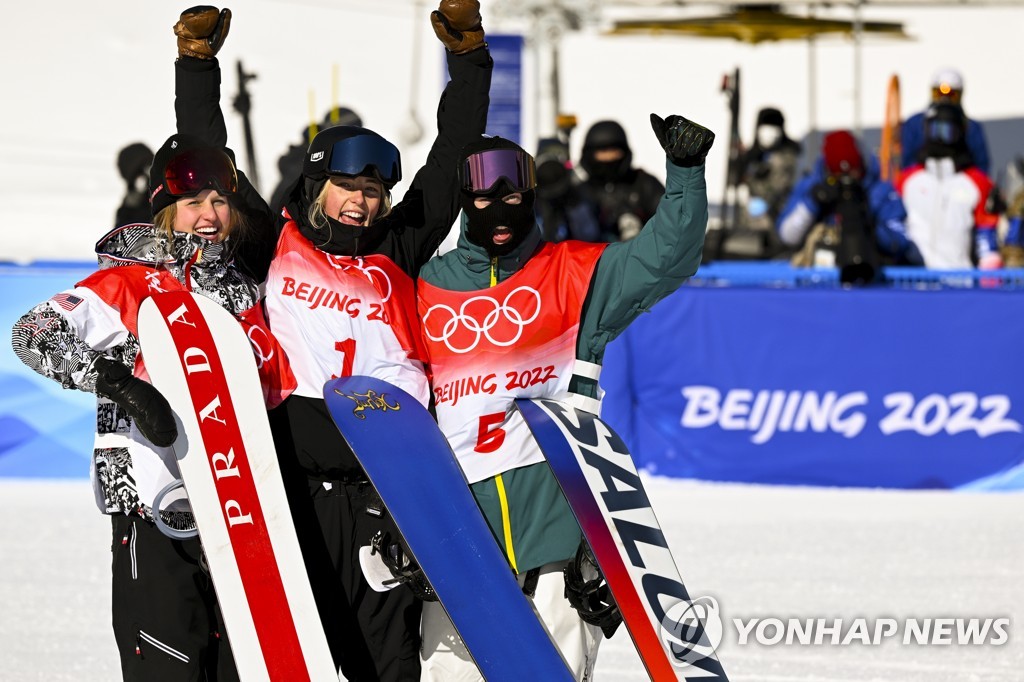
(374,636)
(167,623)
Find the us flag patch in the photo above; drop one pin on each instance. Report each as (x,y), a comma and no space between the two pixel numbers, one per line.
(66,301)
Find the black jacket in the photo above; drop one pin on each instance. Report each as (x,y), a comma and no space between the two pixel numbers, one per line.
(197,112)
(624,205)
(417,226)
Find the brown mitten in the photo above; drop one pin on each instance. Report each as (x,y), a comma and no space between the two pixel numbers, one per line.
(457,25)
(201,31)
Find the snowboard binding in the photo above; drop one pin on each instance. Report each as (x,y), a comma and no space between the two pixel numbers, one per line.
(403,568)
(588,593)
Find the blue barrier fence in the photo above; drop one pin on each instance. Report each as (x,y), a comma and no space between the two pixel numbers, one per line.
(753,372)
(45,431)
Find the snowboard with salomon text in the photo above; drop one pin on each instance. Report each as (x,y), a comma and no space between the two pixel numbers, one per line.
(675,636)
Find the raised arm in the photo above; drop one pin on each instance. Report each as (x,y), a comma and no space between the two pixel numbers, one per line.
(201,32)
(429,209)
(632,276)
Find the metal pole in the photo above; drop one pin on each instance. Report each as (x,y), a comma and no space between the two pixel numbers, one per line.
(556,85)
(812,100)
(858,31)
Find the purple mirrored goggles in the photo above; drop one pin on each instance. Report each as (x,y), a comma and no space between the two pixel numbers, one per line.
(481,172)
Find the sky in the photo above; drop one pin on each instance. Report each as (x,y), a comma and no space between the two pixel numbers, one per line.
(95,78)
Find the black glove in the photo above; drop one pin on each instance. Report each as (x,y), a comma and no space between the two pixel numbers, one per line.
(201,31)
(457,25)
(686,143)
(148,409)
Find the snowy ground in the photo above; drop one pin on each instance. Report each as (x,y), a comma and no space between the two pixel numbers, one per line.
(762,552)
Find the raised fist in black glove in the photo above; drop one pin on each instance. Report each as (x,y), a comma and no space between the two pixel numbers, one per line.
(457,25)
(686,143)
(147,407)
(201,31)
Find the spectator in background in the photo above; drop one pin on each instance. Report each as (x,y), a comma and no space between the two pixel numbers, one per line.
(858,218)
(563,212)
(946,197)
(769,171)
(1013,189)
(947,86)
(1013,248)
(133,164)
(625,197)
(290,163)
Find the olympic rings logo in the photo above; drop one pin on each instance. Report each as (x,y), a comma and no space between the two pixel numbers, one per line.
(346,263)
(257,348)
(486,326)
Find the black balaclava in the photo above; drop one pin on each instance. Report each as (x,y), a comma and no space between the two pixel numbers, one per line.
(605,135)
(481,222)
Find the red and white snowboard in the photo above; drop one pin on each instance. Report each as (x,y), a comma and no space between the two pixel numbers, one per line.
(201,360)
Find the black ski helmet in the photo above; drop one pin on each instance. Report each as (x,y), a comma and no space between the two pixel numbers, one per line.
(201,166)
(351,150)
(606,135)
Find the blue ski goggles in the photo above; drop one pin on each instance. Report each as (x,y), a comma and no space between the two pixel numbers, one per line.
(365,155)
(481,172)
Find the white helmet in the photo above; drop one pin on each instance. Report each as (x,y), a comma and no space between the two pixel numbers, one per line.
(947,80)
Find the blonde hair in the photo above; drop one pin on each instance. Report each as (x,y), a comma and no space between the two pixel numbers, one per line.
(317,216)
(165,219)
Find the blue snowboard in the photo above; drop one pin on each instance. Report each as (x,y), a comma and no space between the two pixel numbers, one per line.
(413,468)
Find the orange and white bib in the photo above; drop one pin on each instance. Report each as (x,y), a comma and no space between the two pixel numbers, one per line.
(342,316)
(514,340)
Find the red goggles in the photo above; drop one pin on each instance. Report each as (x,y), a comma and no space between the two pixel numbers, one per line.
(194,170)
(481,172)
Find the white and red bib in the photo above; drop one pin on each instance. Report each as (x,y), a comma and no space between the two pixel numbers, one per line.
(342,316)
(514,340)
(103,310)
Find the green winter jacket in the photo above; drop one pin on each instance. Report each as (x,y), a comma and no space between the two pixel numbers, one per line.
(525,504)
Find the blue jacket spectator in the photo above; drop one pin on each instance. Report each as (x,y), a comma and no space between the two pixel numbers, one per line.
(947,86)
(813,199)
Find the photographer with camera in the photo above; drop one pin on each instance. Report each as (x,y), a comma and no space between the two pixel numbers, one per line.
(858,219)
